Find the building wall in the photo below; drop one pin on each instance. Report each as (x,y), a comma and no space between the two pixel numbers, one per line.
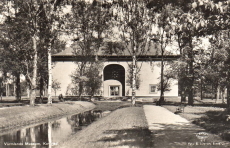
(149,76)
(62,71)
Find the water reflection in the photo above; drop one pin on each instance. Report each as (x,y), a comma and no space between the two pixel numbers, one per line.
(48,134)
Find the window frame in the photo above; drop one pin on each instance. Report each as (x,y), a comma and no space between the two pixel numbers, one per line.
(150,88)
(114,91)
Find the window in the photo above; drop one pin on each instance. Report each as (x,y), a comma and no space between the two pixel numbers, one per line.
(152,88)
(114,90)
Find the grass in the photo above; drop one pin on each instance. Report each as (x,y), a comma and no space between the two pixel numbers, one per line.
(207,114)
(11,101)
(212,119)
(110,105)
(125,127)
(14,117)
(18,116)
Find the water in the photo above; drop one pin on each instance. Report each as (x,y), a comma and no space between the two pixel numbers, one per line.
(48,134)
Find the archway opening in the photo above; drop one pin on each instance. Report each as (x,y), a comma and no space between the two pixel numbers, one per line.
(115,72)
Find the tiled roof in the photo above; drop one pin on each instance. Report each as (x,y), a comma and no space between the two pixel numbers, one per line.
(151,50)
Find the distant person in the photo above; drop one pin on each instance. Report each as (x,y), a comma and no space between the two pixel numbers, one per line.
(60,97)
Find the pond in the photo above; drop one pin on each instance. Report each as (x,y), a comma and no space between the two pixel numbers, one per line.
(48,134)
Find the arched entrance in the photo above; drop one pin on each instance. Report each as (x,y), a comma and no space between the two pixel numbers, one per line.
(114,80)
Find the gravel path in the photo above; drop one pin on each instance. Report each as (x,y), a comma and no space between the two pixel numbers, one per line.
(126,127)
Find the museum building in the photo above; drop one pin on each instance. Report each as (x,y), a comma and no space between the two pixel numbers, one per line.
(115,73)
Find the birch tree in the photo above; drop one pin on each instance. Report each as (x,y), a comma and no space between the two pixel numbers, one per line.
(15,43)
(50,11)
(31,17)
(135,27)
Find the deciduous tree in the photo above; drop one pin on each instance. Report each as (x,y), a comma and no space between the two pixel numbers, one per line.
(135,28)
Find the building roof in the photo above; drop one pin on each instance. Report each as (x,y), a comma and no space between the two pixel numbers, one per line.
(151,52)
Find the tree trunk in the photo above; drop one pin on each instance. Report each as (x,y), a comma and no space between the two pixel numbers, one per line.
(190,87)
(41,89)
(14,91)
(96,56)
(34,78)
(191,80)
(182,71)
(18,88)
(1,90)
(50,134)
(201,89)
(228,96)
(80,90)
(134,70)
(50,76)
(28,92)
(162,80)
(183,97)
(218,93)
(191,72)
(223,95)
(190,96)
(182,87)
(7,92)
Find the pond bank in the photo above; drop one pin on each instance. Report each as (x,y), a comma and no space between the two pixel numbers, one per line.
(13,117)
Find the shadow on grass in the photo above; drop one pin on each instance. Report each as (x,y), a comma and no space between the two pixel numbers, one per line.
(211,105)
(175,135)
(216,123)
(136,137)
(166,136)
(201,104)
(184,135)
(7,103)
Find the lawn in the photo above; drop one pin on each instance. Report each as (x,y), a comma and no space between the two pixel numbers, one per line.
(213,119)
(17,116)
(124,127)
(208,115)
(111,105)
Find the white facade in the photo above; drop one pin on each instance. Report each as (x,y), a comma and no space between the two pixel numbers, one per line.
(149,78)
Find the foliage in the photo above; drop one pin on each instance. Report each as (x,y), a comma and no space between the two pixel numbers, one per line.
(89,24)
(129,77)
(169,76)
(134,31)
(94,76)
(27,33)
(164,37)
(29,28)
(71,90)
(90,81)
(192,21)
(56,85)
(79,79)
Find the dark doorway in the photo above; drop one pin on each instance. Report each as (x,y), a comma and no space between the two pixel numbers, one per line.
(115,72)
